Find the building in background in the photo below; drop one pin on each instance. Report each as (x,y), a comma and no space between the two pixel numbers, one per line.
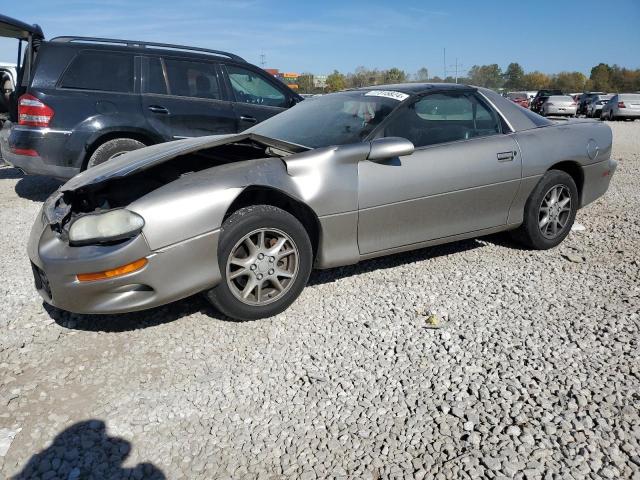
(288,78)
(295,81)
(320,81)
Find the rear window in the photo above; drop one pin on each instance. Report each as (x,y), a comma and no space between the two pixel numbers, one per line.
(103,71)
(629,97)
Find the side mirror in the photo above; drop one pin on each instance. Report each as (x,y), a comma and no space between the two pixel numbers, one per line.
(389,147)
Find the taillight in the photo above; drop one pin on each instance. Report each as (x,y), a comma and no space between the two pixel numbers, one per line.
(621,105)
(33,112)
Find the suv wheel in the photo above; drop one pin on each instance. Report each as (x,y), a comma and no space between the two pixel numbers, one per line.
(265,258)
(113,148)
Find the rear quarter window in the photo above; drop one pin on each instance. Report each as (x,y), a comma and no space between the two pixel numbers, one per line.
(102,71)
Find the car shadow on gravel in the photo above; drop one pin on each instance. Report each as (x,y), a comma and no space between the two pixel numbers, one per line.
(30,187)
(198,304)
(85,450)
(319,277)
(123,322)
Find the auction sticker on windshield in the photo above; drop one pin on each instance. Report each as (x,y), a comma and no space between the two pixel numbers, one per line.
(387,94)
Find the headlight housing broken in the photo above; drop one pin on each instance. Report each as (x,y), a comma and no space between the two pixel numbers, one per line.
(105,227)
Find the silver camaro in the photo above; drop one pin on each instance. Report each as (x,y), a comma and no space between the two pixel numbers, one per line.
(337,179)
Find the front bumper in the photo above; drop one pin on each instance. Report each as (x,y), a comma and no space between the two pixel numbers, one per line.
(49,146)
(172,273)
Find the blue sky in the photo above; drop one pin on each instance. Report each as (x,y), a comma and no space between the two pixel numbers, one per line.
(323,35)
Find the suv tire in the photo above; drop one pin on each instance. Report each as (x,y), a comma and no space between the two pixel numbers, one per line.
(113,148)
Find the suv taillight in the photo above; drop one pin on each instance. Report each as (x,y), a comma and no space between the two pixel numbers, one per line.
(621,105)
(33,112)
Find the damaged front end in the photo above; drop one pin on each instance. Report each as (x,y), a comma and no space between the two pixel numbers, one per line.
(132,233)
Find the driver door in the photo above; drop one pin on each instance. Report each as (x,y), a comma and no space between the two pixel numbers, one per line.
(462,176)
(256,96)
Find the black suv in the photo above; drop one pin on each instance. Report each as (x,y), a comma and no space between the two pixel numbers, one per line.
(82,101)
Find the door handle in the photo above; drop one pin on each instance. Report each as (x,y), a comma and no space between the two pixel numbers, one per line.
(506,156)
(248,119)
(158,109)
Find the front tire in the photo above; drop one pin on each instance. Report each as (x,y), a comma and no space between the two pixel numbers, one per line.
(113,148)
(265,258)
(549,211)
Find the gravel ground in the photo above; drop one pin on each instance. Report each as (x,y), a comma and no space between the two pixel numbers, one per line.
(534,373)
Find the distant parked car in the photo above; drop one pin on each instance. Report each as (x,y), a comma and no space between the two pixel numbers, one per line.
(585,99)
(594,108)
(83,101)
(521,98)
(541,97)
(559,105)
(622,106)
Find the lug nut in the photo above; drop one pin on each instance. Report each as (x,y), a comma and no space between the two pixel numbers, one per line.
(261,256)
(272,259)
(271,271)
(253,267)
(259,276)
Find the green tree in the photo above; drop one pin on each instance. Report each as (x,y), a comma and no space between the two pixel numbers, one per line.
(305,83)
(535,80)
(422,75)
(336,82)
(569,81)
(513,76)
(601,77)
(395,75)
(486,75)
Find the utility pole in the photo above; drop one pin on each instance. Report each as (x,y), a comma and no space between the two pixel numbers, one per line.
(444,63)
(458,68)
(263,59)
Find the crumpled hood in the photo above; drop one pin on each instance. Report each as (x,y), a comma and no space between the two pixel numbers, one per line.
(139,160)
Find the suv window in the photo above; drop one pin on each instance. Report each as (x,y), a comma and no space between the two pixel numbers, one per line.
(155,81)
(444,117)
(192,79)
(104,71)
(250,87)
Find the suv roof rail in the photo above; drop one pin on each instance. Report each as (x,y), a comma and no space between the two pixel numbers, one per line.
(141,44)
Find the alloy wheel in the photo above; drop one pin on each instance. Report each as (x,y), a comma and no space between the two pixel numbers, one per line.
(262,266)
(555,211)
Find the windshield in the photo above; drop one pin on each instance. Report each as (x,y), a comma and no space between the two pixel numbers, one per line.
(334,119)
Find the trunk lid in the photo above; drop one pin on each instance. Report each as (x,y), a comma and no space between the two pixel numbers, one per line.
(29,38)
(12,28)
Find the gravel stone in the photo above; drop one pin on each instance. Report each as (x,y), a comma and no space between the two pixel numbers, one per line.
(534,372)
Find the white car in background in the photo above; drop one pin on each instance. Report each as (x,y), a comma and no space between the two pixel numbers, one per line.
(595,105)
(559,105)
(621,107)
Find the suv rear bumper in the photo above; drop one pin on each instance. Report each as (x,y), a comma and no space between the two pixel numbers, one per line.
(44,146)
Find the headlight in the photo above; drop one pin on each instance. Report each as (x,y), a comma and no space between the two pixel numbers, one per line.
(104,227)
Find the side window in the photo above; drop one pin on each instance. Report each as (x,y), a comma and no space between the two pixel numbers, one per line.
(192,79)
(250,87)
(442,118)
(104,71)
(154,81)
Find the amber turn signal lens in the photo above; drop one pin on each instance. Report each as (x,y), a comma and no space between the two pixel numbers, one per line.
(116,272)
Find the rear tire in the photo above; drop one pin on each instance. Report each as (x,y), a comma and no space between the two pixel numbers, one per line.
(265,258)
(549,211)
(113,148)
